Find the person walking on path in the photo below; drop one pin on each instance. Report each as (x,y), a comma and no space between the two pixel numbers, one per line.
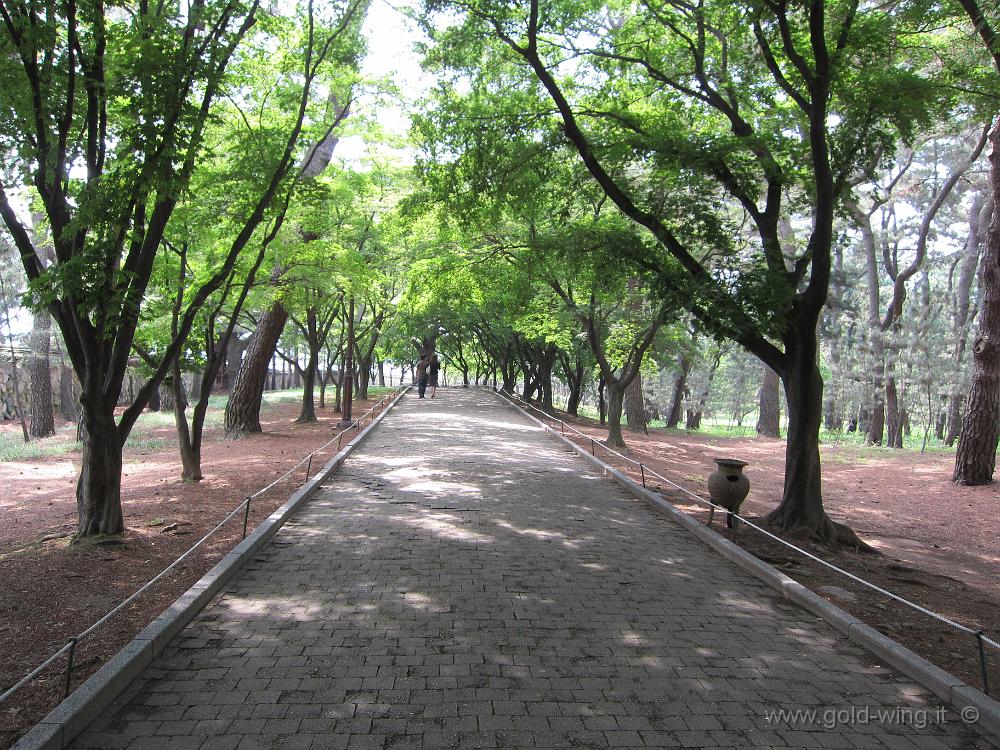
(422,375)
(432,368)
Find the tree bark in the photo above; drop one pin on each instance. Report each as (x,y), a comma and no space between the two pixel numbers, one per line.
(98,490)
(234,355)
(680,391)
(975,458)
(69,404)
(769,417)
(804,396)
(616,398)
(243,407)
(42,421)
(979,217)
(635,407)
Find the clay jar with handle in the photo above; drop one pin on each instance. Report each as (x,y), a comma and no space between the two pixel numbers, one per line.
(728,486)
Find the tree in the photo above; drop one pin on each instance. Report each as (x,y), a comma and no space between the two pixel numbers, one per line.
(109,123)
(243,407)
(743,97)
(980,431)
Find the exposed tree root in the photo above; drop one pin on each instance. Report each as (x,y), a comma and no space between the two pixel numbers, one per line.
(847,537)
(99,539)
(825,531)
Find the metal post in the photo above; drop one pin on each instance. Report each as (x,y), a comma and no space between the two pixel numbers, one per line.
(982,662)
(246,516)
(642,471)
(309,466)
(69,665)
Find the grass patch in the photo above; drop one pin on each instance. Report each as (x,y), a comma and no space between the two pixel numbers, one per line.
(13,447)
(146,443)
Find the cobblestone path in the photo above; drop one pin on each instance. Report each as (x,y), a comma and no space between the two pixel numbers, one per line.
(466,582)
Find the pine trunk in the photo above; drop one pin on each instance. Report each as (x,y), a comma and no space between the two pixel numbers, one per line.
(680,390)
(977,443)
(769,417)
(69,404)
(243,407)
(979,217)
(635,406)
(876,425)
(894,416)
(42,421)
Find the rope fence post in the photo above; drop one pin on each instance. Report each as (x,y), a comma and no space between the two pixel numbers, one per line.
(246,515)
(309,466)
(982,662)
(69,666)
(642,472)
(592,450)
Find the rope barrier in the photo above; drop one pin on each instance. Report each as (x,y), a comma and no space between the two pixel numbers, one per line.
(978,634)
(243,506)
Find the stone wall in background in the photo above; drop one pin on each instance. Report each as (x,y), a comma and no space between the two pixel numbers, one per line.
(8,408)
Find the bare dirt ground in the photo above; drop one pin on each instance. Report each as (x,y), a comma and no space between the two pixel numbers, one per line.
(938,542)
(51,590)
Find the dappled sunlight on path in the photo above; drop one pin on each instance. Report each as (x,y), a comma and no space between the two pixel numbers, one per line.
(464,581)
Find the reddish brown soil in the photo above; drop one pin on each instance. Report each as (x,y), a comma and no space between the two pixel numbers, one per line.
(937,542)
(51,591)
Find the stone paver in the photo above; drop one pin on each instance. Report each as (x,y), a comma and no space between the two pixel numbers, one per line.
(466,582)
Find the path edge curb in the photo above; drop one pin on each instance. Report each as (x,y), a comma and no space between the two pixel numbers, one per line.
(946,686)
(63,723)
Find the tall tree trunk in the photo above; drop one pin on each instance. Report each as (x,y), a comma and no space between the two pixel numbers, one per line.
(98,489)
(635,406)
(769,417)
(154,401)
(894,417)
(546,362)
(381,374)
(574,379)
(234,356)
(801,508)
(364,379)
(979,218)
(307,414)
(680,391)
(243,407)
(69,403)
(338,385)
(694,414)
(189,446)
(602,406)
(975,458)
(616,398)
(876,415)
(42,422)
